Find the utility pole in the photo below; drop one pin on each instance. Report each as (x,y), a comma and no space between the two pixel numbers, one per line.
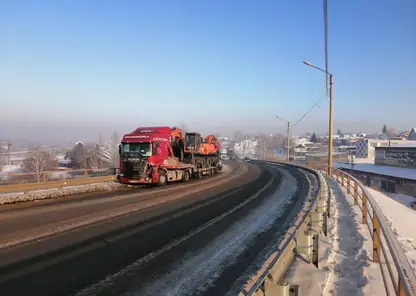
(288,141)
(331,97)
(264,147)
(288,137)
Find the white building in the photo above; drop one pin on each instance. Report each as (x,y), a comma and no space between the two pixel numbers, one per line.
(245,147)
(366,147)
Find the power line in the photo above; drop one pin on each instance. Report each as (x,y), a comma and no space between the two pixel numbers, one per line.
(317,104)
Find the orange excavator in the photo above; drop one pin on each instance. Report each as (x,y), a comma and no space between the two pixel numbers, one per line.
(193,148)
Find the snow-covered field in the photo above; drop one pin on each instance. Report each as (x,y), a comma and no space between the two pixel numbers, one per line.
(10,168)
(402,220)
(16,197)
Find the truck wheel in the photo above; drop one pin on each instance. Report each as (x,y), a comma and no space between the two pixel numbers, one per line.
(186,176)
(209,161)
(163,180)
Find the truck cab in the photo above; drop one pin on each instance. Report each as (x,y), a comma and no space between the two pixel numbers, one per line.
(143,152)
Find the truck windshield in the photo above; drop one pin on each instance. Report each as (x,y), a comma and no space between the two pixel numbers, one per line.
(144,149)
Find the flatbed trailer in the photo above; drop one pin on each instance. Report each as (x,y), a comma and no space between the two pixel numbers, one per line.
(163,175)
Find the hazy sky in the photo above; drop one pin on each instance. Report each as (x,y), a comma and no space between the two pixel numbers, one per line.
(221,65)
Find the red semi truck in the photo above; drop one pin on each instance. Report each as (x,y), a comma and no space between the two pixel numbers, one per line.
(150,155)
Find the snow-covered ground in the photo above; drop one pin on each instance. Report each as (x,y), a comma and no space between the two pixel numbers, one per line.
(345,266)
(406,200)
(402,220)
(10,168)
(351,270)
(16,197)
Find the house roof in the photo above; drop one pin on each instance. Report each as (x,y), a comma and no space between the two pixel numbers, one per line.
(412,144)
(397,172)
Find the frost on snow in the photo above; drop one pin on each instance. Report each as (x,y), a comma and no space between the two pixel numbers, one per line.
(348,257)
(9,198)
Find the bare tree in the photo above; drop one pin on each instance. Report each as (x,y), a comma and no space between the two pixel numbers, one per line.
(115,141)
(267,143)
(79,156)
(2,157)
(39,161)
(101,140)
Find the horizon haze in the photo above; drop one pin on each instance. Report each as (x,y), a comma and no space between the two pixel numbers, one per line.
(73,69)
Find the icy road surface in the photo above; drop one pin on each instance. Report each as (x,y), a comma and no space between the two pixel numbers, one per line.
(198,270)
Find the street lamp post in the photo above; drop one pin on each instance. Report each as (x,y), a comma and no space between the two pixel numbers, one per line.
(331,97)
(288,137)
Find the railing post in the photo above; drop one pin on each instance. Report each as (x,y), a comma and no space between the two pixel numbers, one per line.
(376,239)
(364,208)
(401,291)
(86,173)
(342,178)
(43,177)
(315,250)
(355,193)
(348,184)
(328,206)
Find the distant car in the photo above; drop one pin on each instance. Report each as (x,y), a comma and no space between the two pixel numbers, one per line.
(246,158)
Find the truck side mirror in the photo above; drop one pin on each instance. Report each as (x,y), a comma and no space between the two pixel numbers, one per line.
(119,150)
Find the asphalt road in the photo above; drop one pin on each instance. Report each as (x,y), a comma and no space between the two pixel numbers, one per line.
(63,247)
(46,250)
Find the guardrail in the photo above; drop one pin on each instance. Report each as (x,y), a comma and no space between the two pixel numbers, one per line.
(301,239)
(398,275)
(17,182)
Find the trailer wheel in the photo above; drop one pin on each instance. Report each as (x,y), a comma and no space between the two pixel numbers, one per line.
(186,176)
(209,161)
(163,180)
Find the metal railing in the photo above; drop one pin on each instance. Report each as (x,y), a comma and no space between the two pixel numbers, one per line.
(15,182)
(300,240)
(397,273)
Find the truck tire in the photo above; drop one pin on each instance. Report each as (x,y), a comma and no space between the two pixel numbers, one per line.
(163,180)
(186,176)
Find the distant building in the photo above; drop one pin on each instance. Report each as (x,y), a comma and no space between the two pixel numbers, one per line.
(412,134)
(400,155)
(366,147)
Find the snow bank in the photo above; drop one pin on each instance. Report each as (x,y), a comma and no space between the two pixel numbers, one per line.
(351,271)
(406,200)
(10,168)
(16,197)
(402,221)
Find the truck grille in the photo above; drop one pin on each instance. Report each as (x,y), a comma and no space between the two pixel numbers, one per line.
(133,170)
